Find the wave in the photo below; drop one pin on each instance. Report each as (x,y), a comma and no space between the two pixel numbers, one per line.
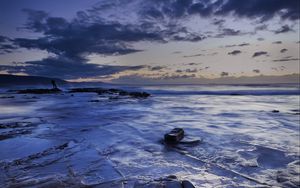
(226,92)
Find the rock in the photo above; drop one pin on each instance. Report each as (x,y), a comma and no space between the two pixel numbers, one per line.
(275,111)
(174,136)
(94,101)
(187,184)
(172,177)
(39,91)
(7,97)
(139,94)
(173,184)
(112,91)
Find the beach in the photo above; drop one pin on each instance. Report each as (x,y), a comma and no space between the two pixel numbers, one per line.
(249,136)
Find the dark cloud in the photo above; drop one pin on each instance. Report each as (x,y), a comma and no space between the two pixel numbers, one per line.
(283,50)
(228,32)
(212,54)
(281,68)
(286,59)
(223,74)
(191,70)
(260,39)
(95,35)
(218,21)
(71,41)
(263,9)
(277,42)
(195,55)
(283,29)
(256,71)
(66,68)
(261,27)
(260,53)
(176,76)
(234,52)
(244,44)
(157,68)
(179,71)
(6,45)
(235,45)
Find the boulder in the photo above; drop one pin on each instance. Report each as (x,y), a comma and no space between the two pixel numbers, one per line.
(174,136)
(187,184)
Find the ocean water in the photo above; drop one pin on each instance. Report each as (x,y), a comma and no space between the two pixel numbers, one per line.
(249,137)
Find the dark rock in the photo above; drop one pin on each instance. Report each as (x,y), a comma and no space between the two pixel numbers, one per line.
(174,136)
(187,184)
(275,111)
(39,91)
(86,90)
(101,91)
(139,94)
(172,177)
(94,101)
(123,93)
(7,97)
(173,184)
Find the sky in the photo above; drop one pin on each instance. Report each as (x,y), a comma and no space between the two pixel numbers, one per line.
(128,40)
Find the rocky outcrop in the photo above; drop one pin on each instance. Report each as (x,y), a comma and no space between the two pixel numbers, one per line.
(112,91)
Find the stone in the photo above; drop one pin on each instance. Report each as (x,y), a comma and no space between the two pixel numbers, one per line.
(174,136)
(173,184)
(187,184)
(39,91)
(275,111)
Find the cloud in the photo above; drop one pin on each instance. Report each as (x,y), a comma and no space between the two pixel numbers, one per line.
(265,10)
(260,53)
(157,68)
(71,41)
(283,50)
(223,74)
(277,42)
(191,70)
(235,45)
(177,52)
(66,68)
(260,39)
(175,76)
(283,29)
(228,32)
(195,55)
(234,52)
(261,27)
(6,45)
(256,71)
(286,59)
(95,35)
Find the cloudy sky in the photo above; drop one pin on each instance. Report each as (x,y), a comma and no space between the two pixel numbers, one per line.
(113,40)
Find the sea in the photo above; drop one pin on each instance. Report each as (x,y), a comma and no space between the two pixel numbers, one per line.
(235,136)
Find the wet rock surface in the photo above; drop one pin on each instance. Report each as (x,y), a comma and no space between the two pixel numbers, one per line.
(39,91)
(68,141)
(101,91)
